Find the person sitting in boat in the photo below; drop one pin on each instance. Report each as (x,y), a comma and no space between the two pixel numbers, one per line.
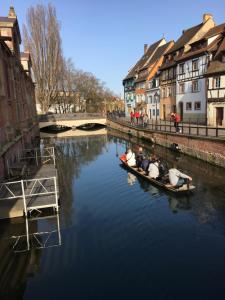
(145,164)
(153,168)
(163,170)
(176,178)
(130,158)
(139,158)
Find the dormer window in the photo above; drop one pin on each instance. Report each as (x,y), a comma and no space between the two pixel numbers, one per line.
(195,64)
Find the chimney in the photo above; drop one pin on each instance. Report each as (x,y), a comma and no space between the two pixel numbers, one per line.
(12,13)
(206,17)
(145,48)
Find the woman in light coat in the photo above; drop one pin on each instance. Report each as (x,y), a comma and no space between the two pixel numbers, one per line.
(130,158)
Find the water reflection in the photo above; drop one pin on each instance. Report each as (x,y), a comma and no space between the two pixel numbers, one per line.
(131,178)
(72,155)
(206,202)
(21,244)
(38,237)
(118,229)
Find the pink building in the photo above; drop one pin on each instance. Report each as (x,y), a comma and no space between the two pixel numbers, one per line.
(18,119)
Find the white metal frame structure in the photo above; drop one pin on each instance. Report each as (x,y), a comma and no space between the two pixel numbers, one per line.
(33,192)
(39,239)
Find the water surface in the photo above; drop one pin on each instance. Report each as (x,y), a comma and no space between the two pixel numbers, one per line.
(120,237)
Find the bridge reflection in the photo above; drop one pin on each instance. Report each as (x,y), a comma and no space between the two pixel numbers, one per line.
(77,132)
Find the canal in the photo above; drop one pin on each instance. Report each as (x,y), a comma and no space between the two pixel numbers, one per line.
(117,236)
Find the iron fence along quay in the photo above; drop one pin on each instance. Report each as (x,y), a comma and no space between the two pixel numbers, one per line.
(168,126)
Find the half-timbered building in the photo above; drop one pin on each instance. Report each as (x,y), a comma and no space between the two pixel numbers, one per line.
(215,81)
(181,81)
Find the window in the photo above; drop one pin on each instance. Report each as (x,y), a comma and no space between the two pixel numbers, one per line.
(195,65)
(149,99)
(216,82)
(157,112)
(169,91)
(188,106)
(163,93)
(153,112)
(181,68)
(181,88)
(197,105)
(195,86)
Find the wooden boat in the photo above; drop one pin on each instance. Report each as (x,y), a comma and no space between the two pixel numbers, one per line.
(183,189)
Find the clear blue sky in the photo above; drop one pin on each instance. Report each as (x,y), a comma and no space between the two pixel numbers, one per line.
(107,37)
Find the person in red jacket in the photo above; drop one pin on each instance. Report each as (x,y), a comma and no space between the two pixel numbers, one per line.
(176,122)
(132,118)
(137,116)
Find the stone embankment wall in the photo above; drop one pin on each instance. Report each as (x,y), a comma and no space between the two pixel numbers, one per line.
(208,149)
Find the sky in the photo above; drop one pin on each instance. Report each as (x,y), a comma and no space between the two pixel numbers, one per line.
(106,38)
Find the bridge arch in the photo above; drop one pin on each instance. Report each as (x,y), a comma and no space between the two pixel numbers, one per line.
(73,123)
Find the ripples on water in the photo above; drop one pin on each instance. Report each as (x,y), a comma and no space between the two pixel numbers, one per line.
(122,238)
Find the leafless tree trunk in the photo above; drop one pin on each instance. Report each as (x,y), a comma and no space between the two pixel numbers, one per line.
(42,40)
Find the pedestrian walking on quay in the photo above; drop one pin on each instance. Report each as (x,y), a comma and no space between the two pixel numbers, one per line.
(137,116)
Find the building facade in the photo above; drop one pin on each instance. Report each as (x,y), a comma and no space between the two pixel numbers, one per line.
(215,82)
(182,75)
(18,119)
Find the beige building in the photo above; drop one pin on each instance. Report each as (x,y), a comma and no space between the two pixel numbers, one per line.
(174,71)
(216,83)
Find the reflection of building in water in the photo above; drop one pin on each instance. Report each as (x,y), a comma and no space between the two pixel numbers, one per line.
(28,236)
(131,178)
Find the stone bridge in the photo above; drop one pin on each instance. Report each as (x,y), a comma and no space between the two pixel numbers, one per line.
(71,120)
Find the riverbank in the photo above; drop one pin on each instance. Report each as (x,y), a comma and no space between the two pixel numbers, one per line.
(209,149)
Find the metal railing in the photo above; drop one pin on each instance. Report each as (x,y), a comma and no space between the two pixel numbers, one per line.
(74,116)
(42,155)
(168,126)
(30,191)
(37,156)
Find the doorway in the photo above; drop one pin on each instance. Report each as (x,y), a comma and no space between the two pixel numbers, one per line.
(219,116)
(164,112)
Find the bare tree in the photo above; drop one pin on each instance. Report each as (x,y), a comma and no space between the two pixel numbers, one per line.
(42,40)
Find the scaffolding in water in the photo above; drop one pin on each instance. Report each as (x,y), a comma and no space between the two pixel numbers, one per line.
(35,238)
(34,192)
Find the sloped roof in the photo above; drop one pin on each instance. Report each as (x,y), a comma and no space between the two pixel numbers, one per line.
(222,46)
(141,62)
(158,53)
(216,66)
(185,37)
(168,64)
(192,53)
(215,30)
(151,62)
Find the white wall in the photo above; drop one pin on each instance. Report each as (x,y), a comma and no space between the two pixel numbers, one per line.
(187,78)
